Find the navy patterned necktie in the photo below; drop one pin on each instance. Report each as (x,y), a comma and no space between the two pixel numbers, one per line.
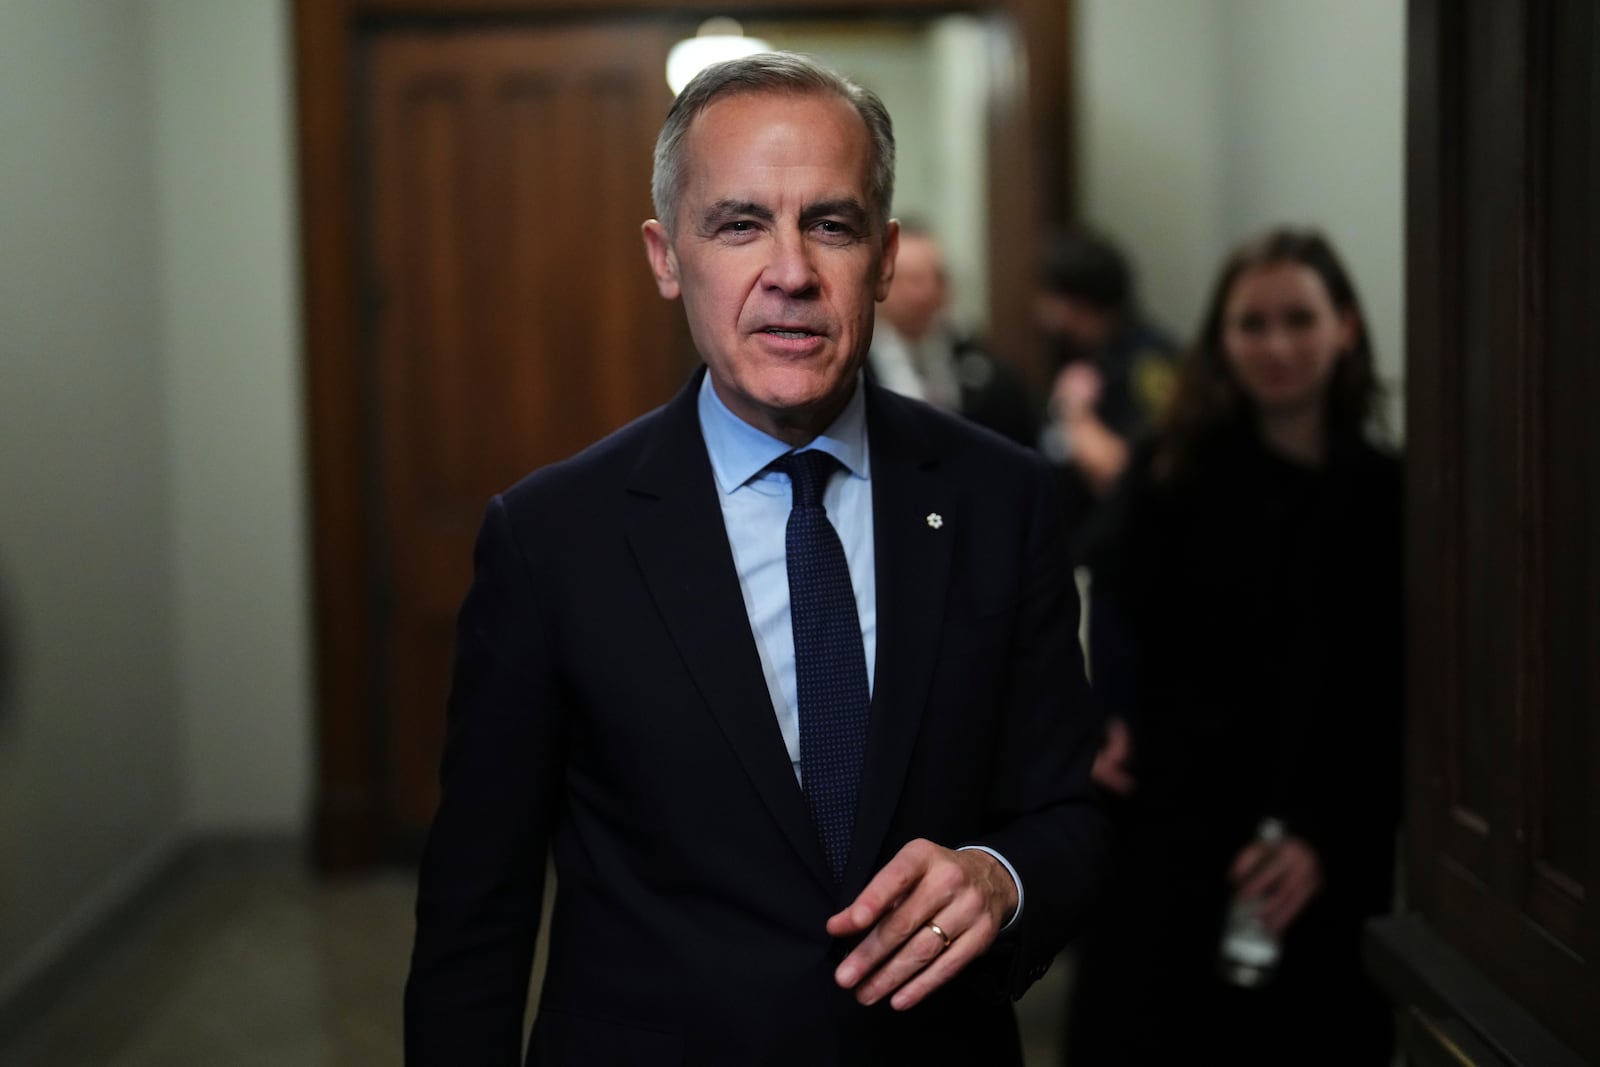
(830,664)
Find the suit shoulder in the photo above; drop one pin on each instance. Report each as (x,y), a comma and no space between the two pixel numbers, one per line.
(604,464)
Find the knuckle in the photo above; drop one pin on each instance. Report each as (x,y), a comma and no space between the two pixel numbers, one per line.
(947,877)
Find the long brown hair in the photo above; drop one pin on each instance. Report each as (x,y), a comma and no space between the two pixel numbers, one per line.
(1208,399)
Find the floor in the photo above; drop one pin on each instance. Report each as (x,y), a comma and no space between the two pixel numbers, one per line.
(250,961)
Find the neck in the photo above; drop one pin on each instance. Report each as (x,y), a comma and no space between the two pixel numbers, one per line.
(1296,433)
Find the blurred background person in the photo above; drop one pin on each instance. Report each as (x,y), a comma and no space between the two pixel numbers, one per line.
(917,350)
(1250,559)
(1110,366)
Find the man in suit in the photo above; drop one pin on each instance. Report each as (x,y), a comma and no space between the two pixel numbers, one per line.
(1113,368)
(917,351)
(768,850)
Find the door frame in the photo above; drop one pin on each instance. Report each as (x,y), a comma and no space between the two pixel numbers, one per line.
(1031,150)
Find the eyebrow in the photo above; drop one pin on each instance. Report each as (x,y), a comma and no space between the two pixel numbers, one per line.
(724,210)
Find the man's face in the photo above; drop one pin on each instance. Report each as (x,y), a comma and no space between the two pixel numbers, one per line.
(917,297)
(1079,329)
(778,255)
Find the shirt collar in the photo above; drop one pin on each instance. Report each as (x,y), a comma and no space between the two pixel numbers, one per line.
(740,452)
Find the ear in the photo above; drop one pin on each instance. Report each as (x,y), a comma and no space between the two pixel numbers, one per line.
(891,248)
(663,262)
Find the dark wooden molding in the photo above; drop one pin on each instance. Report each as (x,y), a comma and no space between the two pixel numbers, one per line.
(1453,1013)
(346,804)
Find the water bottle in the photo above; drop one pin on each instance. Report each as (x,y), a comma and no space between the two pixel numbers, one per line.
(1249,952)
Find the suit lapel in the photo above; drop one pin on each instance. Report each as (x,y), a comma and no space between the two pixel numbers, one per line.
(677,535)
(915,521)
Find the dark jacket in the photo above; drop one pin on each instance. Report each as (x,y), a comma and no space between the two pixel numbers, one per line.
(609,706)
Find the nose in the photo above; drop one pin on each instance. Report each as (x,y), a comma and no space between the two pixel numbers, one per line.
(790,270)
(1278,342)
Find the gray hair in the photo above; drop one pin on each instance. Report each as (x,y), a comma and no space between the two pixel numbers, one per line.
(768,72)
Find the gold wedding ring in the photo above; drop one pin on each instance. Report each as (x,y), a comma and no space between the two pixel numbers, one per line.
(943,937)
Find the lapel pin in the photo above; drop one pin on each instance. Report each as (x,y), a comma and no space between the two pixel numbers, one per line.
(935,519)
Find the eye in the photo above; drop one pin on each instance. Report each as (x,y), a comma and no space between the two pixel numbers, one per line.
(834,230)
(1250,323)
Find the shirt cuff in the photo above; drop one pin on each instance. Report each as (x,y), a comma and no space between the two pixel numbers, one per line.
(1012,871)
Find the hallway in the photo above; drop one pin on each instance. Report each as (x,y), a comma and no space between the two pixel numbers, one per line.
(244,958)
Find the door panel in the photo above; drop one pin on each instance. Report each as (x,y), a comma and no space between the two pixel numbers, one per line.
(1503,464)
(513,316)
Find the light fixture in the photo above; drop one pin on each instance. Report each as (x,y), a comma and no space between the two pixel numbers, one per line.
(716,40)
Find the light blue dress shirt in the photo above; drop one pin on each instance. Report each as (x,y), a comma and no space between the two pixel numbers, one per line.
(755,511)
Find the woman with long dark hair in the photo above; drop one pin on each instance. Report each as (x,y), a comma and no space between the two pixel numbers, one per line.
(1246,640)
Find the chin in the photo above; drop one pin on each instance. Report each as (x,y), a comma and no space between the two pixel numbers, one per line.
(802,387)
(1284,404)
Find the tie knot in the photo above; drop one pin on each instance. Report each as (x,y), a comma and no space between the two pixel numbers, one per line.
(809,472)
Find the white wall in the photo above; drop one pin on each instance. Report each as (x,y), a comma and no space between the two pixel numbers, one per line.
(966,53)
(1202,121)
(223,104)
(1150,119)
(91,769)
(154,675)
(1316,135)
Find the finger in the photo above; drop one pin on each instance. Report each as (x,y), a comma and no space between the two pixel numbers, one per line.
(887,888)
(1119,742)
(936,890)
(1113,778)
(1291,897)
(964,921)
(920,951)
(1282,908)
(1263,880)
(1248,859)
(963,949)
(1289,869)
(963,899)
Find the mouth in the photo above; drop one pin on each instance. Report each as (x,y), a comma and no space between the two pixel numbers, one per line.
(790,333)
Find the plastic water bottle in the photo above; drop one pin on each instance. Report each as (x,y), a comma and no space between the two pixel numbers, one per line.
(1249,952)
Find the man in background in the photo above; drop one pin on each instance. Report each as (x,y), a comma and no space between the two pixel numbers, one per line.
(1112,369)
(917,351)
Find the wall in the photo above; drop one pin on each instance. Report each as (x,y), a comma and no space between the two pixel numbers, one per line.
(223,105)
(1150,111)
(1203,121)
(1316,134)
(154,620)
(91,768)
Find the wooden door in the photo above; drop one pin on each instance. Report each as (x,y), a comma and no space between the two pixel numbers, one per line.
(1498,961)
(513,319)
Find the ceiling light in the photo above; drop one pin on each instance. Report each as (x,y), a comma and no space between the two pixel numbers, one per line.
(716,40)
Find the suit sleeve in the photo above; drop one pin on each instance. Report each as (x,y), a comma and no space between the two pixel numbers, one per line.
(481,881)
(1049,824)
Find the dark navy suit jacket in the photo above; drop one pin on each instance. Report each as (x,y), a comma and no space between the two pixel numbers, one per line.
(609,709)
